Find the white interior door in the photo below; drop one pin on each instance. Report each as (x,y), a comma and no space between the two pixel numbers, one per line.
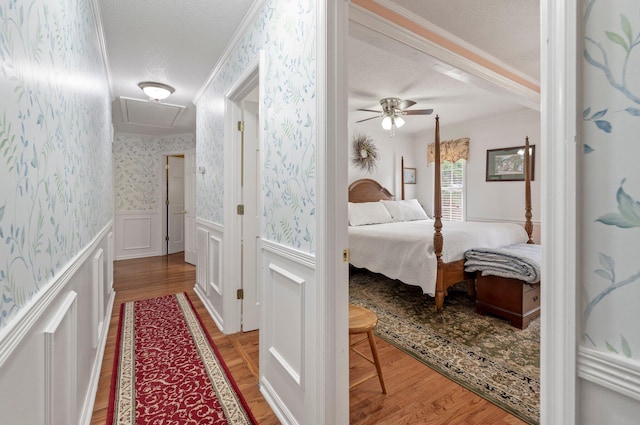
(190,255)
(250,220)
(175,204)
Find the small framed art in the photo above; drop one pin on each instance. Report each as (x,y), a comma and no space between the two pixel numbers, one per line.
(507,164)
(409,176)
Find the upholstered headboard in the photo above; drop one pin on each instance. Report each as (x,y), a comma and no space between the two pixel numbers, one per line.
(368,190)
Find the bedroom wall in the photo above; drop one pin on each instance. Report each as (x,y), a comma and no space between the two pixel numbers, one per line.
(138,174)
(56,210)
(609,214)
(387,171)
(488,201)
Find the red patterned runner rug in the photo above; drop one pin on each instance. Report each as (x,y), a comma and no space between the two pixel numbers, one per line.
(167,370)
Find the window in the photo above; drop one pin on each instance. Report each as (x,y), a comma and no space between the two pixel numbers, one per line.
(452,189)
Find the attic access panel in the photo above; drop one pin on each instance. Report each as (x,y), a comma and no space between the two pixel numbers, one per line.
(144,112)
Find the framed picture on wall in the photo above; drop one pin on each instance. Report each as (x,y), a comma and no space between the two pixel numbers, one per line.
(507,164)
(409,176)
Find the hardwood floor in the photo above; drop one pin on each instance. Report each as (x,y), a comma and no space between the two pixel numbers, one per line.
(156,276)
(415,393)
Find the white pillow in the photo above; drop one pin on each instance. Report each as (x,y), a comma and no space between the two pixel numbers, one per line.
(407,210)
(361,213)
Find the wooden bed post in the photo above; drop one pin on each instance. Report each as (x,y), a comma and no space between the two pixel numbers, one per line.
(528,225)
(402,174)
(437,217)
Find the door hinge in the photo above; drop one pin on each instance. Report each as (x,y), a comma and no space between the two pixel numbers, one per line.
(346,255)
(240,209)
(166,167)
(240,294)
(166,202)
(240,125)
(166,238)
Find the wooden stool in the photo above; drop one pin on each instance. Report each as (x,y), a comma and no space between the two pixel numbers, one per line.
(362,320)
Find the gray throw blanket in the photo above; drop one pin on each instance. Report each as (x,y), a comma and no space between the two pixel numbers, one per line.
(521,261)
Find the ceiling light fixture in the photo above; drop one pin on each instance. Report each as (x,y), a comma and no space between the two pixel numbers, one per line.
(392,112)
(156,91)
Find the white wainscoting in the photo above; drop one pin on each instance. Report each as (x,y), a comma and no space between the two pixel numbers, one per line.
(203,254)
(138,234)
(49,367)
(110,258)
(98,295)
(61,348)
(288,277)
(210,269)
(611,384)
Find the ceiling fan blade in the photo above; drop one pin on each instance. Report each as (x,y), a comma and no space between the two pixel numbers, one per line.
(369,110)
(404,104)
(418,112)
(367,119)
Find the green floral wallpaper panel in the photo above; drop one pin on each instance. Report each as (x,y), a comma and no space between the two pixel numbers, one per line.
(138,161)
(55,150)
(286,31)
(611,179)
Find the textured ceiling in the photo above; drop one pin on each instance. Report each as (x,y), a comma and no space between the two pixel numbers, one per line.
(168,41)
(180,42)
(506,29)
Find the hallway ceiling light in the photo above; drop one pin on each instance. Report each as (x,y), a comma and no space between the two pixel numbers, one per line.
(156,91)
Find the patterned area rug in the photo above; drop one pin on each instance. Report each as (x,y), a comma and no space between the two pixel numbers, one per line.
(168,371)
(482,353)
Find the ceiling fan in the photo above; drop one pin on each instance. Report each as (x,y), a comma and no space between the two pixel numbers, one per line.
(392,110)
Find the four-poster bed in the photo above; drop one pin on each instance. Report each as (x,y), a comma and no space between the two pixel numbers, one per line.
(415,251)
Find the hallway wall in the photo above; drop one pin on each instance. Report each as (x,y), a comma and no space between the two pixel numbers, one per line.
(56,210)
(609,214)
(138,176)
(55,131)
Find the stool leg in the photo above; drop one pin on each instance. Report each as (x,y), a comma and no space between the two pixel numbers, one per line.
(376,360)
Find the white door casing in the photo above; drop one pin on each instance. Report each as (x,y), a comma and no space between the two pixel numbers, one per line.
(190,244)
(250,219)
(175,210)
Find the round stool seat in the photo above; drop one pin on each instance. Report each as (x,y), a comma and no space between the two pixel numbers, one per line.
(361,319)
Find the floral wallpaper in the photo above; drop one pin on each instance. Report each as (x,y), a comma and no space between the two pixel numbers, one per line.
(286,31)
(611,181)
(138,161)
(55,150)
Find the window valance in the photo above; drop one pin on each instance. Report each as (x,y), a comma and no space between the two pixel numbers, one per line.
(450,150)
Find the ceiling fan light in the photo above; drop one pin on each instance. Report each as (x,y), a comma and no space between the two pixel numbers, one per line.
(156,91)
(387,123)
(399,122)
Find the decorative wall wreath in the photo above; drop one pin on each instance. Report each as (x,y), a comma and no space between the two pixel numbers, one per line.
(365,154)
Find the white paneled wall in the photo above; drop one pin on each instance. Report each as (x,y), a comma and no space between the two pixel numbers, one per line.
(138,234)
(202,236)
(50,359)
(98,295)
(288,277)
(61,349)
(210,269)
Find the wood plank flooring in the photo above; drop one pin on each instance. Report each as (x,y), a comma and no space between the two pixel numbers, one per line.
(416,394)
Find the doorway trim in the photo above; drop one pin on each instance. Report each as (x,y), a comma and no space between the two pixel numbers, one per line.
(558,336)
(246,82)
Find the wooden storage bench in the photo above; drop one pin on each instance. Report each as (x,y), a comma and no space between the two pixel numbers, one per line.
(511,299)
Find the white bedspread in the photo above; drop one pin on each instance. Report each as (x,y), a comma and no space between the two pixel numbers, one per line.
(404,250)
